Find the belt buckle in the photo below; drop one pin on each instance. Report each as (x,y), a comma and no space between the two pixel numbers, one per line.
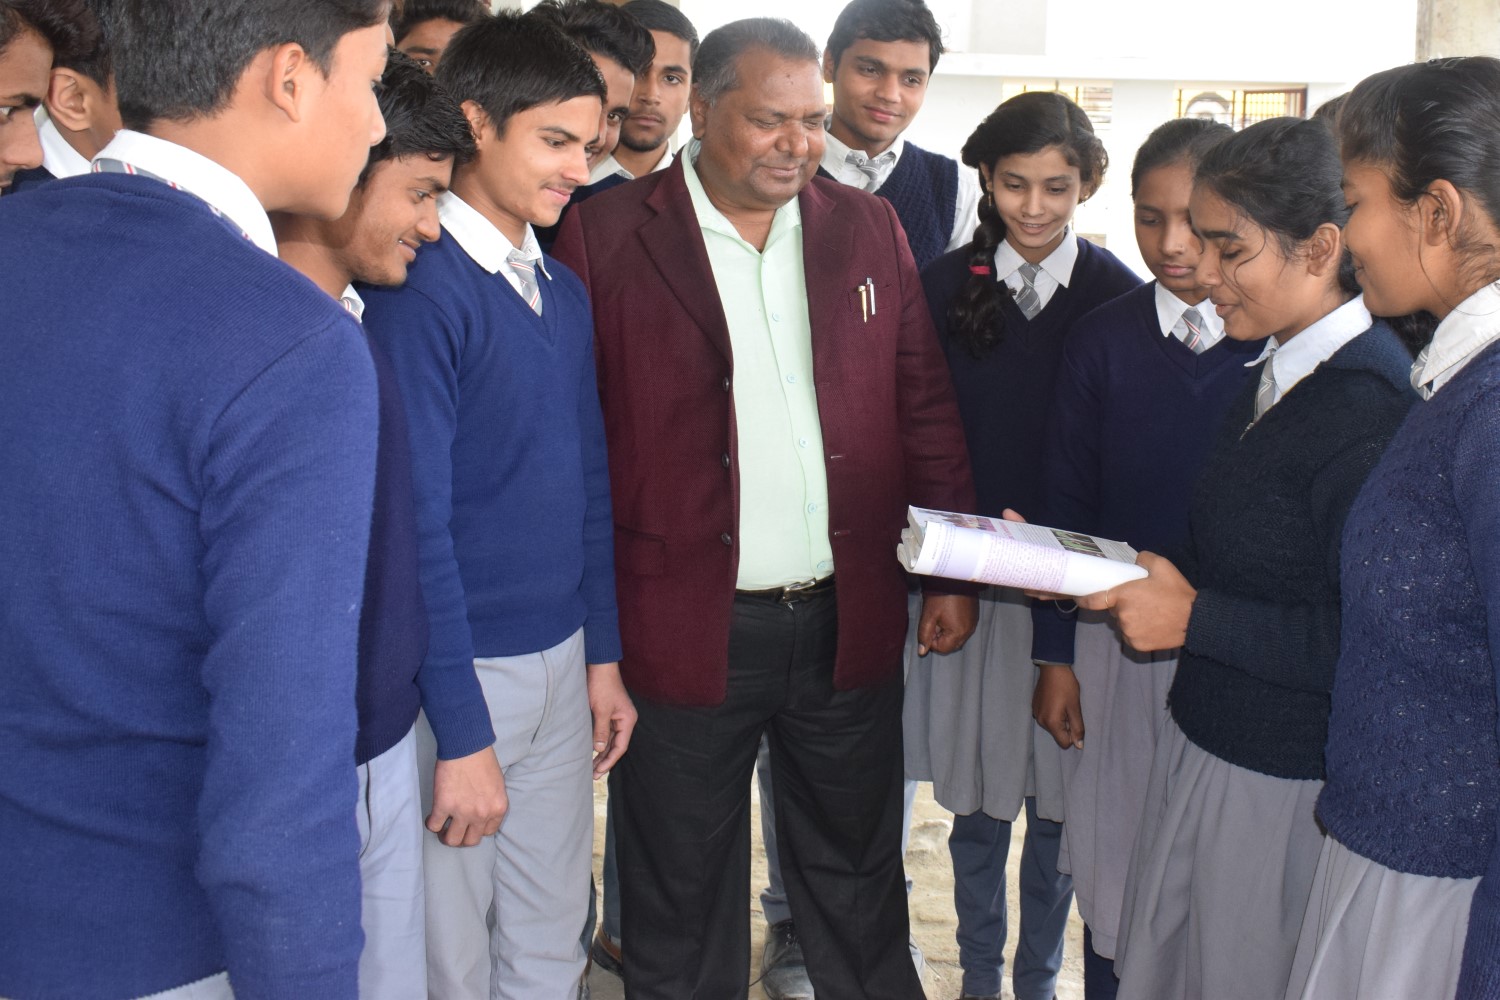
(791,593)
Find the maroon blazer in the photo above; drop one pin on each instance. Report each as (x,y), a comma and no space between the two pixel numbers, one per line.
(891,431)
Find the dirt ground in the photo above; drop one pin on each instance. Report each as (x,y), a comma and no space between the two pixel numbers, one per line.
(932,918)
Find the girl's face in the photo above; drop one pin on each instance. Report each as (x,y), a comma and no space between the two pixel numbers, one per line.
(1036,195)
(1163,231)
(1257,290)
(1384,238)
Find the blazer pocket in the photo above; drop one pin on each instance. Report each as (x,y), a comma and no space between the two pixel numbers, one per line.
(638,553)
(867,303)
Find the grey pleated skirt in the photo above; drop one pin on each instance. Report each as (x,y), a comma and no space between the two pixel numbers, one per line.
(1376,934)
(1219,880)
(1124,700)
(967,719)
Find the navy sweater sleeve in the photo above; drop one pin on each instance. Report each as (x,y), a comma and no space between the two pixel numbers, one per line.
(425,344)
(285,517)
(601,629)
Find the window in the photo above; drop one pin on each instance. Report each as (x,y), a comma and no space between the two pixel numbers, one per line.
(1097,100)
(1238,108)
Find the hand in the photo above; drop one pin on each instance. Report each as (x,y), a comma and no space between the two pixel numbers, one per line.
(1055,704)
(1153,613)
(468,798)
(614,716)
(947,622)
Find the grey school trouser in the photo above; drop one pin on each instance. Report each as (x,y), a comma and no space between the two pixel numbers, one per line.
(393,965)
(503,918)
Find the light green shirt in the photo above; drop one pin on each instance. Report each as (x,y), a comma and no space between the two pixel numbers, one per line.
(783,525)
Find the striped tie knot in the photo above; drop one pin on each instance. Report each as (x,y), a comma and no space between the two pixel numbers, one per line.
(1027,299)
(524,267)
(1190,330)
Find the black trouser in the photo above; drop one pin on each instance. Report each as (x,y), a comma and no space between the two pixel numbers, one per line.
(683,819)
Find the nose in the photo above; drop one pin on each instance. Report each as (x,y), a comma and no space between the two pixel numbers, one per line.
(794,140)
(1176,239)
(1207,272)
(1033,202)
(22,149)
(428,226)
(377,125)
(576,169)
(888,88)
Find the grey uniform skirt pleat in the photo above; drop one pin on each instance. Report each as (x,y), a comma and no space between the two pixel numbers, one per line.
(1219,880)
(1124,700)
(967,719)
(1376,934)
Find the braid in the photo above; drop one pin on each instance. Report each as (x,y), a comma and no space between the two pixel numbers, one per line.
(978,321)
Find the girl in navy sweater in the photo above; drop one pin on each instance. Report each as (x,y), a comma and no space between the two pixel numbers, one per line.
(1406,900)
(1144,384)
(1223,864)
(1002,305)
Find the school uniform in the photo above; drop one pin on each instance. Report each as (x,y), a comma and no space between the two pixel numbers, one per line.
(967,716)
(1403,903)
(59,160)
(494,360)
(1140,396)
(1223,864)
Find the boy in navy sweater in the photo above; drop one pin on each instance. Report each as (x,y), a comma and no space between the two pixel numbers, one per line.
(392,212)
(492,347)
(187,428)
(32,33)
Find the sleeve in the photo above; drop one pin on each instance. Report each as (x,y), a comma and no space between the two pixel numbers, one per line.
(1476,456)
(932,438)
(1292,644)
(424,344)
(287,492)
(601,629)
(1070,484)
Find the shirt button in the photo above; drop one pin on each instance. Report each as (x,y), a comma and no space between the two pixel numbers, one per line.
(792,379)
(724,458)
(825,565)
(726,539)
(802,442)
(812,508)
(776,317)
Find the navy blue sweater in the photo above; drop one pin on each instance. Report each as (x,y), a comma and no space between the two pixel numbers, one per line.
(187,433)
(1413,751)
(512,487)
(923,189)
(1132,420)
(1004,397)
(29,180)
(1254,675)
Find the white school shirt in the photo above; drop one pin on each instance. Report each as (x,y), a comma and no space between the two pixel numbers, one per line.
(609,166)
(1169,309)
(58,158)
(965,205)
(1297,358)
(351,301)
(1471,327)
(196,174)
(1056,269)
(487,246)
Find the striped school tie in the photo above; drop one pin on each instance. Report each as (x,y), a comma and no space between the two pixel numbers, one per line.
(1189,330)
(1265,393)
(1027,299)
(525,269)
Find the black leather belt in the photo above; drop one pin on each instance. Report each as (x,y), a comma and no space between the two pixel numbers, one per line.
(792,592)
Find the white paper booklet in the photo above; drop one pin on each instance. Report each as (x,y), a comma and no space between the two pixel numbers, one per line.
(1010,554)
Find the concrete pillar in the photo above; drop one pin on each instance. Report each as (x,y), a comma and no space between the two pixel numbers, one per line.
(1457,28)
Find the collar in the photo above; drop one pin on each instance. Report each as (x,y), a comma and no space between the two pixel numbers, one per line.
(60,159)
(199,176)
(351,301)
(609,166)
(1058,264)
(1296,359)
(1468,329)
(486,246)
(1169,309)
(835,152)
(788,217)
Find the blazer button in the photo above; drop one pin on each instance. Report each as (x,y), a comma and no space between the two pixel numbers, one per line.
(726,383)
(726,539)
(724,458)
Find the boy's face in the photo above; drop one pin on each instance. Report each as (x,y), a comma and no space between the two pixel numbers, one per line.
(661,96)
(878,88)
(619,83)
(528,172)
(24,67)
(342,121)
(389,216)
(427,40)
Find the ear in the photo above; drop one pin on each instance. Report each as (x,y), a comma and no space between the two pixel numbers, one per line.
(285,78)
(1325,250)
(828,66)
(479,123)
(698,112)
(1440,214)
(985,180)
(67,100)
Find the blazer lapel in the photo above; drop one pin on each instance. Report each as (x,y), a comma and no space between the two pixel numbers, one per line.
(674,243)
(826,247)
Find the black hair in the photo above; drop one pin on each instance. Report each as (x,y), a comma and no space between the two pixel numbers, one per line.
(511,63)
(1438,120)
(1328,112)
(1181,140)
(179,60)
(1027,123)
(414,12)
(420,118)
(1284,175)
(715,66)
(658,15)
(93,60)
(886,21)
(65,25)
(602,29)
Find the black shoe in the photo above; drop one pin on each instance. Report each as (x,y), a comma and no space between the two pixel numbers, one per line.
(605,953)
(783,971)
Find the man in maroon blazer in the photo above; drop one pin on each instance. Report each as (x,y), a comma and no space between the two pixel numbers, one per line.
(774,396)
